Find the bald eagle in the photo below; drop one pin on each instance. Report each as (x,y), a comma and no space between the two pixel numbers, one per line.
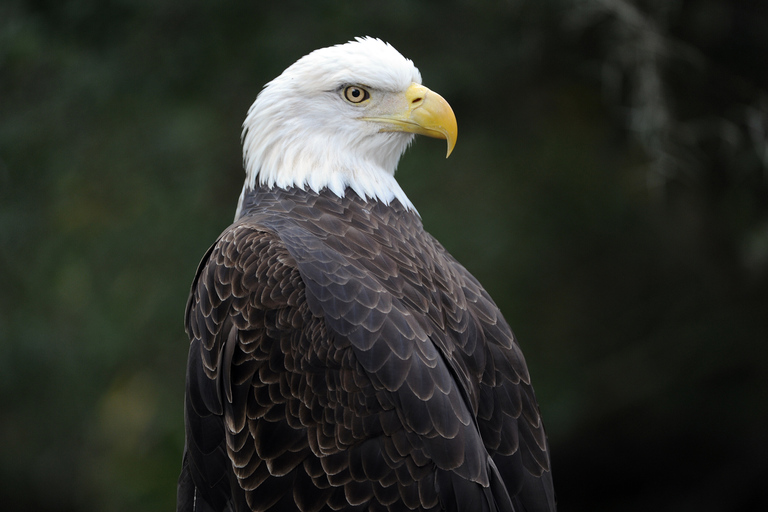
(340,358)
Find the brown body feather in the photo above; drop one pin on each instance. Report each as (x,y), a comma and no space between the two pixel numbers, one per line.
(341,359)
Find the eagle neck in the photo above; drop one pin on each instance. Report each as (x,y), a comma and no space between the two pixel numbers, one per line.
(295,201)
(251,198)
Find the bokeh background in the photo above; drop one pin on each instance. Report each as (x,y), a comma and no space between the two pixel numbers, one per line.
(609,188)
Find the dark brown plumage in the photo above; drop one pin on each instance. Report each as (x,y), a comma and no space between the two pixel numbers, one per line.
(341,359)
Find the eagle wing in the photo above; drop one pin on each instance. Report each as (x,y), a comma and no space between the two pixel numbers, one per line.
(312,386)
(506,408)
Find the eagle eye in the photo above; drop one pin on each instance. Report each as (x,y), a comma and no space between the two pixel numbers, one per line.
(355,94)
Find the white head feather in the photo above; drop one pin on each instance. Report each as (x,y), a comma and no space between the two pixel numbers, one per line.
(301,132)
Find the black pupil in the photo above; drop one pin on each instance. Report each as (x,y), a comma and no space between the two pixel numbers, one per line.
(355,93)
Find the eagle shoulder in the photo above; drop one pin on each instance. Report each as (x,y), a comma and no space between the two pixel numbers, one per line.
(246,292)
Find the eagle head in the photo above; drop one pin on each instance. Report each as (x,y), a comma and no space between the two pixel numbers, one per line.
(341,117)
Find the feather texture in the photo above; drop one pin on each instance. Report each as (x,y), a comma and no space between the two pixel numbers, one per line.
(341,359)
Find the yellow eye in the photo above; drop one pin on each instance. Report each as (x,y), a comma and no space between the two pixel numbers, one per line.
(355,94)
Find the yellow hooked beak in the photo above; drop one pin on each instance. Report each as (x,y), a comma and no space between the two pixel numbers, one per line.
(425,113)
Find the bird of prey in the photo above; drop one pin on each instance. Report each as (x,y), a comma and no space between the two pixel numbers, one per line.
(340,358)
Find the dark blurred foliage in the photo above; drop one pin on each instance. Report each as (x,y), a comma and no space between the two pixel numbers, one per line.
(609,187)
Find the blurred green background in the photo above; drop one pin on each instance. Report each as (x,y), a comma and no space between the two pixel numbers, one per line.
(609,188)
